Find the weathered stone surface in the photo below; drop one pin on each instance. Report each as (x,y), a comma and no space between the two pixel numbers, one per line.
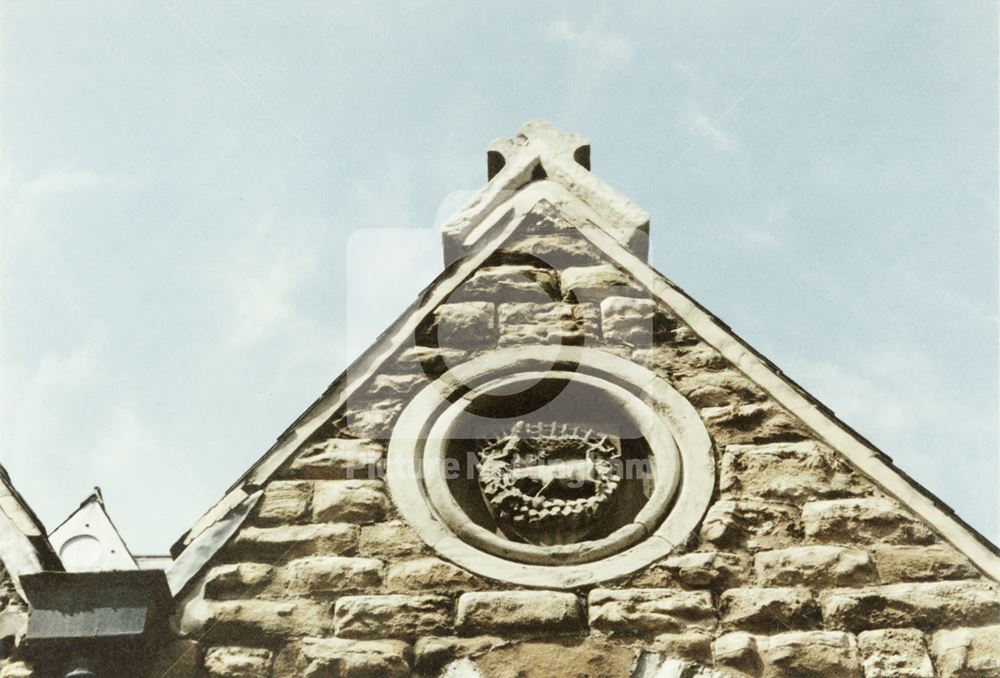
(468,326)
(716,569)
(323,657)
(398,385)
(290,541)
(350,501)
(625,611)
(681,363)
(237,580)
(237,662)
(427,574)
(389,540)
(391,616)
(814,566)
(752,524)
(768,610)
(557,249)
(868,520)
(177,659)
(592,283)
(694,646)
(625,320)
(370,417)
(17,670)
(510,283)
(738,653)
(926,606)
(338,458)
(721,388)
(433,652)
(264,620)
(757,423)
(517,611)
(555,323)
(330,575)
(921,563)
(427,361)
(786,471)
(284,501)
(971,652)
(808,654)
(895,653)
(590,658)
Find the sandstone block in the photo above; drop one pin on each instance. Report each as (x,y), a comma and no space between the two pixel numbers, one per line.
(895,653)
(927,606)
(786,471)
(721,388)
(389,385)
(370,417)
(868,520)
(693,646)
(628,321)
(389,540)
(427,574)
(350,501)
(466,326)
(758,423)
(338,458)
(557,249)
(391,616)
(714,569)
(518,611)
(811,653)
(555,323)
(237,580)
(427,362)
(237,662)
(967,652)
(681,363)
(768,610)
(330,575)
(433,652)
(739,653)
(624,611)
(921,563)
(814,566)
(510,283)
(290,541)
(589,658)
(284,501)
(752,524)
(592,283)
(321,657)
(266,620)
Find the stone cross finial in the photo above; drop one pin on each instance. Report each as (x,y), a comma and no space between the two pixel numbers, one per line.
(539,140)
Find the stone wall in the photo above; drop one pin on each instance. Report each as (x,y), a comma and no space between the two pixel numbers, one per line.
(801,567)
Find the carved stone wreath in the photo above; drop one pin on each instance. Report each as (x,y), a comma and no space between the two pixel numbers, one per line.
(549,483)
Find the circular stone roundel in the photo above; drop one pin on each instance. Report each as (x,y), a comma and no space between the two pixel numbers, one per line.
(551,466)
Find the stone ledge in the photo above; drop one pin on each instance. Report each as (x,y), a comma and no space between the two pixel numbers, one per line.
(650,611)
(550,612)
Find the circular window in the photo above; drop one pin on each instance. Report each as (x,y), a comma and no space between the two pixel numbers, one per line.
(551,466)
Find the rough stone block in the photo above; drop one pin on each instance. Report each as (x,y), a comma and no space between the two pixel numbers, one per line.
(921,563)
(811,653)
(518,611)
(17,670)
(593,283)
(265,620)
(427,362)
(350,501)
(786,471)
(738,653)
(322,576)
(814,566)
(279,543)
(284,502)
(895,653)
(466,326)
(337,459)
(391,616)
(556,323)
(625,320)
(715,569)
(370,417)
(321,657)
(431,653)
(427,574)
(751,524)
(390,540)
(768,610)
(681,363)
(510,283)
(625,611)
(388,385)
(589,658)
(757,423)
(237,580)
(721,388)
(693,646)
(967,652)
(927,606)
(868,520)
(558,249)
(237,662)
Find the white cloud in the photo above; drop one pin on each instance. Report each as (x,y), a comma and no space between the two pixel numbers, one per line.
(599,44)
(702,126)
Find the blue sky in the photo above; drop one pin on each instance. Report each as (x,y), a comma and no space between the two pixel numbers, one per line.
(209,208)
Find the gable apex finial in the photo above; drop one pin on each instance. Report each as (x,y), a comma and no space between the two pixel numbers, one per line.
(538,139)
